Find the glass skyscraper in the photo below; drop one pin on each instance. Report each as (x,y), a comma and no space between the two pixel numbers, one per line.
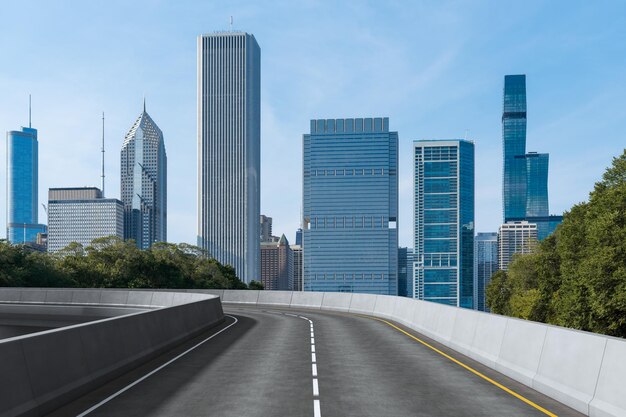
(525,175)
(229,101)
(485,265)
(22,186)
(144,183)
(405,272)
(350,233)
(514,147)
(444,221)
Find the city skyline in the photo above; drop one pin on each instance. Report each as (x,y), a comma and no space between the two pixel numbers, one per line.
(559,118)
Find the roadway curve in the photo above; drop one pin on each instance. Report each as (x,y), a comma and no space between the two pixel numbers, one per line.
(262,366)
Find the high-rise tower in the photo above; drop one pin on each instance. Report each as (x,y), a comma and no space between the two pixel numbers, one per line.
(444,221)
(525,175)
(350,208)
(144,182)
(229,101)
(23,185)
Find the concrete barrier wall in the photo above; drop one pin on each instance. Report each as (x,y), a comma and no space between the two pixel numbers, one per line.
(583,370)
(42,371)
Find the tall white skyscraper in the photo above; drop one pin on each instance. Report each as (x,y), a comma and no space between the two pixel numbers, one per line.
(229,136)
(144,183)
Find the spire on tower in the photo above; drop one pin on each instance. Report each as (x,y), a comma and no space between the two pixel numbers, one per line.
(144,103)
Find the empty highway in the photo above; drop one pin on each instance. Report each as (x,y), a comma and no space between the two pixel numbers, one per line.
(267,361)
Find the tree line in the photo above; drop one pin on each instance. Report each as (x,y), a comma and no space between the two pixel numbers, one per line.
(110,262)
(577,276)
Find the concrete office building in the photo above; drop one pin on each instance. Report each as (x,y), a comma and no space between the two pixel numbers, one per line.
(277,265)
(22,176)
(444,221)
(144,183)
(525,175)
(485,265)
(81,215)
(266,229)
(229,99)
(350,235)
(297,267)
(515,237)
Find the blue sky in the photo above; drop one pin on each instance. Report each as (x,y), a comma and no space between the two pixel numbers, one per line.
(435,68)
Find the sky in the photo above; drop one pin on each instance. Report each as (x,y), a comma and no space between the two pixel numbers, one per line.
(435,68)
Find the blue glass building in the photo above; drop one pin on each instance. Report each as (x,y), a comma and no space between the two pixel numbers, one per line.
(22,186)
(405,272)
(350,206)
(514,147)
(444,221)
(525,175)
(485,265)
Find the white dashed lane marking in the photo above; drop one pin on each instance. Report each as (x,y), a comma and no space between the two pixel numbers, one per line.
(317,412)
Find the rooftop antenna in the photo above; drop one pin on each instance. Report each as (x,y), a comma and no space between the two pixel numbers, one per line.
(231,23)
(102,176)
(29,111)
(144,103)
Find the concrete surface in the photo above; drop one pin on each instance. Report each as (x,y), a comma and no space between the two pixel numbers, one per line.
(261,367)
(50,368)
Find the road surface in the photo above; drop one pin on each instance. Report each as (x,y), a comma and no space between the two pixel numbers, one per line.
(266,361)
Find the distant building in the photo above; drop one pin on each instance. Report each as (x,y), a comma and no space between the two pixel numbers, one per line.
(144,183)
(299,237)
(23,186)
(81,215)
(266,230)
(297,267)
(277,265)
(350,190)
(229,157)
(525,175)
(515,237)
(485,265)
(444,221)
(405,272)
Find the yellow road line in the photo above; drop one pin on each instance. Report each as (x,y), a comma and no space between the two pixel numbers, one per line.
(469,368)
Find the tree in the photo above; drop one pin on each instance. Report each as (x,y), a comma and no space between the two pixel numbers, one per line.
(577,276)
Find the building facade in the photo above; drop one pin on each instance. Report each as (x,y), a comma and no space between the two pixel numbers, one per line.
(144,183)
(266,229)
(515,237)
(485,265)
(444,221)
(277,265)
(229,100)
(81,215)
(350,207)
(406,259)
(297,267)
(22,178)
(525,175)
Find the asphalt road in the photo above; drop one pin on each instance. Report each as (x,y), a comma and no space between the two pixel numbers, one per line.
(268,364)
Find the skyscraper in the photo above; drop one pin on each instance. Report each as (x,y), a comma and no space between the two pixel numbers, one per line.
(277,265)
(515,237)
(444,221)
(350,235)
(514,147)
(23,186)
(297,267)
(405,272)
(144,183)
(525,175)
(266,229)
(229,99)
(81,215)
(485,265)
